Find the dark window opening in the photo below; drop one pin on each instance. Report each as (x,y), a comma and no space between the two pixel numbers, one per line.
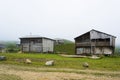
(101,40)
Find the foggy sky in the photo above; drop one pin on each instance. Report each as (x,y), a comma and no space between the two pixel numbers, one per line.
(58,18)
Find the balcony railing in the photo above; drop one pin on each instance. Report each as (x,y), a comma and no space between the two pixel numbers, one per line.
(83,44)
(93,44)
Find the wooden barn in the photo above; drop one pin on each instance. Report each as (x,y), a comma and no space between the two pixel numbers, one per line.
(36,44)
(95,42)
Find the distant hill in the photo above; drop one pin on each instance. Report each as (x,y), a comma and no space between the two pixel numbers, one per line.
(9,42)
(63,41)
(64,46)
(67,41)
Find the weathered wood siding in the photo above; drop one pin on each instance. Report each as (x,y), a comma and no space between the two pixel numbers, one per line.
(36,47)
(95,50)
(102,50)
(83,50)
(48,45)
(25,47)
(80,44)
(31,45)
(83,40)
(99,35)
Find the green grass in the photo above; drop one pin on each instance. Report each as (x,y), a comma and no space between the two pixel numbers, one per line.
(65,48)
(38,60)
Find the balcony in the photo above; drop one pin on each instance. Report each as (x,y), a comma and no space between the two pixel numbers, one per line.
(100,44)
(85,44)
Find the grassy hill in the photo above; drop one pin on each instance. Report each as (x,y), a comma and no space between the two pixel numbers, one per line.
(65,48)
(67,41)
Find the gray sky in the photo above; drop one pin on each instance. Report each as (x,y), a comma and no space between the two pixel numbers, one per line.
(58,18)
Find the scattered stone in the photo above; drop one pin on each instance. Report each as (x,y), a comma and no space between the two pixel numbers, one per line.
(20,52)
(86,65)
(2,58)
(49,63)
(28,61)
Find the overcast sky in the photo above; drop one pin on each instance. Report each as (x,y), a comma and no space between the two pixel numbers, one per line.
(58,18)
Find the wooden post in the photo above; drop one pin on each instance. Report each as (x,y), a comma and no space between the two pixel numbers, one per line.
(75,47)
(29,46)
(90,47)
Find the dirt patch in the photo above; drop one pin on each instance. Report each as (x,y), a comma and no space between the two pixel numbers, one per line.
(28,75)
(73,56)
(33,75)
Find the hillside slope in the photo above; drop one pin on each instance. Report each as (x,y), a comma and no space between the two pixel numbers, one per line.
(65,48)
(67,41)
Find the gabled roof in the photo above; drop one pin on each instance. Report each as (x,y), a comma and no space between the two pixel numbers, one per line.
(96,31)
(34,37)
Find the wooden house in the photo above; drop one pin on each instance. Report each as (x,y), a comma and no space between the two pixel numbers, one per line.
(95,42)
(36,44)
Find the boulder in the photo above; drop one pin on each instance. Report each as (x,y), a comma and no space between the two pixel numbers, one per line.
(28,61)
(2,58)
(86,65)
(49,63)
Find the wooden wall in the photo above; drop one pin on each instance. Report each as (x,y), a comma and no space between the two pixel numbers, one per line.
(37,45)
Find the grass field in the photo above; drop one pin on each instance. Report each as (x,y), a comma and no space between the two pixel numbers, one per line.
(38,60)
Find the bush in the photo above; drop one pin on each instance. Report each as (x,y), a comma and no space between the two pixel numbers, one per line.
(11,47)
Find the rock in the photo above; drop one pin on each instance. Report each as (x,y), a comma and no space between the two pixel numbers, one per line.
(20,52)
(49,63)
(86,65)
(28,61)
(2,58)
